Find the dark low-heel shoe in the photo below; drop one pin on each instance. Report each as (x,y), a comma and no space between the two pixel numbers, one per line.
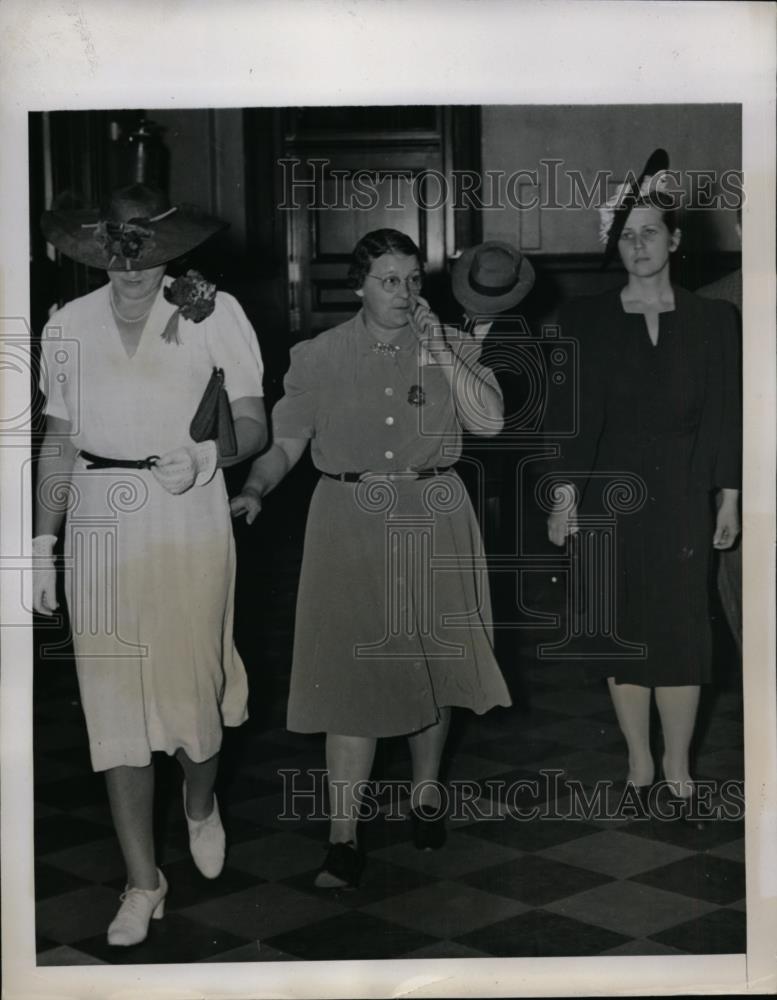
(342,867)
(685,810)
(643,794)
(635,803)
(428,828)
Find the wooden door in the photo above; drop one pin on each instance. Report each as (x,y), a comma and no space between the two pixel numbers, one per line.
(345,172)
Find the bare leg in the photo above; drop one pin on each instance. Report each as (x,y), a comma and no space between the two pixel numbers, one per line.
(131,797)
(730,590)
(200,779)
(677,707)
(632,709)
(349,761)
(426,749)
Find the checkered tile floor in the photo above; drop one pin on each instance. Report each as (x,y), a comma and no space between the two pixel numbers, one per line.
(502,886)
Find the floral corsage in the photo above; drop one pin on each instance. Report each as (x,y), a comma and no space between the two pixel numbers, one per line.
(123,239)
(195,298)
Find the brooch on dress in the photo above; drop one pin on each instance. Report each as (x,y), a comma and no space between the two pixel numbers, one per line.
(387,350)
(416,396)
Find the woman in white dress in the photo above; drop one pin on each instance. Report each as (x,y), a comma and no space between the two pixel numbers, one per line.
(148,551)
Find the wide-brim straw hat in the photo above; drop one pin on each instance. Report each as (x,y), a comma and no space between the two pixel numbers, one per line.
(137,229)
(491,277)
(634,192)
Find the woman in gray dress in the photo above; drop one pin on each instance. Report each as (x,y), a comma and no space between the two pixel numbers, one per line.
(393,622)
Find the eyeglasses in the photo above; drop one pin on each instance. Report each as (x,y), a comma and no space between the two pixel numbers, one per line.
(392,282)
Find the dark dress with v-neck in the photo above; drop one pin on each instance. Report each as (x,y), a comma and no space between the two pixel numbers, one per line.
(659,431)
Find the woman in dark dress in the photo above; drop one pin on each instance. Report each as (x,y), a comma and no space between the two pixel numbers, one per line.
(659,412)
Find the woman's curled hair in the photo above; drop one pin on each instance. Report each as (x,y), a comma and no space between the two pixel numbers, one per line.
(374,245)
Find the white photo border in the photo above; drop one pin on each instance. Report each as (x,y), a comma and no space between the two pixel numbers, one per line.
(112,54)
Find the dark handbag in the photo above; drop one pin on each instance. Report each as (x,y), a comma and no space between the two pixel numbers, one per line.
(213,419)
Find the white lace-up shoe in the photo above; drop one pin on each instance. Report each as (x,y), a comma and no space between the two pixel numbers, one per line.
(138,907)
(206,840)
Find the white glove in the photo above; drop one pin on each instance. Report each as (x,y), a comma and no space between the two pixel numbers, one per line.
(44,575)
(562,521)
(192,465)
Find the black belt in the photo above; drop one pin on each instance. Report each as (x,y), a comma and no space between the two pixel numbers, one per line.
(410,474)
(99,462)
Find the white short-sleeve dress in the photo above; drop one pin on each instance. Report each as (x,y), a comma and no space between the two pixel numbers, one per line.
(149,576)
